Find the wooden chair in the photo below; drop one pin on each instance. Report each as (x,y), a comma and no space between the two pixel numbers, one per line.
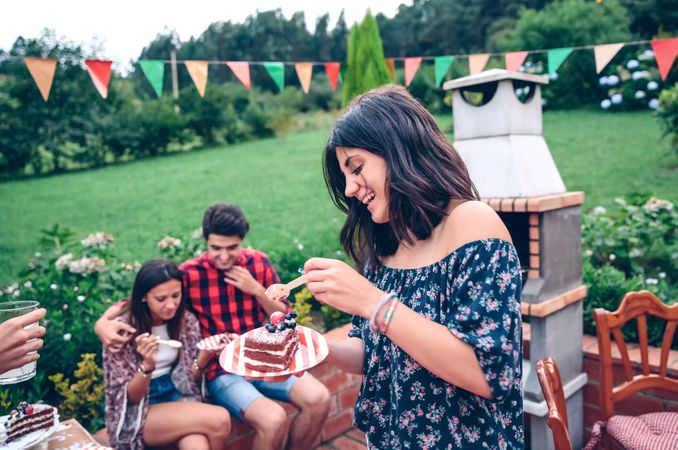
(552,387)
(625,431)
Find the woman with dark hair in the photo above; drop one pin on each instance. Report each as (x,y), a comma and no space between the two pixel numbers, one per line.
(436,314)
(152,396)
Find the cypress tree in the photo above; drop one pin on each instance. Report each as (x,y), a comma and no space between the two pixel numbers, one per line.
(366,65)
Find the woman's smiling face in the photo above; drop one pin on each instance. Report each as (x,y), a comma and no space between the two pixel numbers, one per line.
(365,175)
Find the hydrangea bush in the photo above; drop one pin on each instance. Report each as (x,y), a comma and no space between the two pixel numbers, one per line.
(632,248)
(633,84)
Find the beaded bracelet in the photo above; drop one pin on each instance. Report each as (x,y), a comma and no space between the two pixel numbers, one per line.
(373,320)
(388,316)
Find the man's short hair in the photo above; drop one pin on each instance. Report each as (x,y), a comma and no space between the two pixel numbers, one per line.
(225,220)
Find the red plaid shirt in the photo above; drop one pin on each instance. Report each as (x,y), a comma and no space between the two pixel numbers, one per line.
(221,307)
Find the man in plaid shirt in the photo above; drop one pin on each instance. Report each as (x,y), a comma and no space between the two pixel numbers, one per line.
(226,290)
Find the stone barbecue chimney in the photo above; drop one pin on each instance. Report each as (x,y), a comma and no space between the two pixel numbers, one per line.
(498,133)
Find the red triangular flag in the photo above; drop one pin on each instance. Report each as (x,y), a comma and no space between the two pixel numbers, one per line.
(665,51)
(241,70)
(332,70)
(100,72)
(411,67)
(514,60)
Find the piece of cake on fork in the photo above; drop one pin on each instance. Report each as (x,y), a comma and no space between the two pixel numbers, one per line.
(271,348)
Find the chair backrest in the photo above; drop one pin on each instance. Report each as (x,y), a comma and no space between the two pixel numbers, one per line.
(552,387)
(634,305)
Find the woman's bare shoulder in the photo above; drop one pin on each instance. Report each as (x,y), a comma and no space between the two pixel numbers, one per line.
(473,220)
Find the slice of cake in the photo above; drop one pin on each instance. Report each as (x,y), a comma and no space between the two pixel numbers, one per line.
(28,418)
(271,348)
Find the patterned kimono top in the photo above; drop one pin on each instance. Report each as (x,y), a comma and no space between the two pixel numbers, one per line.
(475,292)
(125,421)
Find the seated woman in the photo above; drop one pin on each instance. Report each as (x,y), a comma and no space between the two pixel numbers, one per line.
(152,395)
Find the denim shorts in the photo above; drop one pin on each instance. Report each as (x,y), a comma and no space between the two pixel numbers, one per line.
(235,393)
(162,390)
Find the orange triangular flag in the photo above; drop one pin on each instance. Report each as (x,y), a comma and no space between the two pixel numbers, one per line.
(304,72)
(198,72)
(476,63)
(332,70)
(42,70)
(241,70)
(604,54)
(514,60)
(390,65)
(411,67)
(100,73)
(665,51)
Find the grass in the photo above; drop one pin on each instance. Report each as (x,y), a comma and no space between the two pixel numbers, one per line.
(278,183)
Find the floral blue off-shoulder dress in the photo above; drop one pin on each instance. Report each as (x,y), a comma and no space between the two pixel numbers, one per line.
(475,292)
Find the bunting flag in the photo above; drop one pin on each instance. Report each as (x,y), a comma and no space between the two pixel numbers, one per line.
(390,65)
(100,72)
(411,67)
(198,72)
(332,70)
(304,72)
(514,60)
(556,56)
(42,70)
(665,51)
(155,73)
(241,70)
(277,71)
(442,65)
(604,54)
(477,62)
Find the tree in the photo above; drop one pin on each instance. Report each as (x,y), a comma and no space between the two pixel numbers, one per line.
(366,65)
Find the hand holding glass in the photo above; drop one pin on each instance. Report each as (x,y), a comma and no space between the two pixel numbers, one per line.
(19,340)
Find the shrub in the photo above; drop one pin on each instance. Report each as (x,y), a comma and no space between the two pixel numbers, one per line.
(633,84)
(668,114)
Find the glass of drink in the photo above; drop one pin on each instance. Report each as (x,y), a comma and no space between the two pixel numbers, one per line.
(9,310)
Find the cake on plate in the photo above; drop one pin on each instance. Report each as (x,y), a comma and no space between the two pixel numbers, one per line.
(27,419)
(271,348)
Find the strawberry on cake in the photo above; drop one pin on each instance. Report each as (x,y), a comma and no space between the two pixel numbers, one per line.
(271,348)
(27,419)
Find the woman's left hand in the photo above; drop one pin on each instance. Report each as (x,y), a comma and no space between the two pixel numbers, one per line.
(337,284)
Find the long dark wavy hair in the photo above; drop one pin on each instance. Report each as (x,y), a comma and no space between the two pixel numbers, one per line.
(424,172)
(154,273)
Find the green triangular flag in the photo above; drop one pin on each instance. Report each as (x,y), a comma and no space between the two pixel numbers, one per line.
(556,56)
(155,72)
(442,64)
(277,71)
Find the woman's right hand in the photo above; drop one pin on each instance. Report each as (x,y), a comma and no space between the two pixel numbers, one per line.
(147,347)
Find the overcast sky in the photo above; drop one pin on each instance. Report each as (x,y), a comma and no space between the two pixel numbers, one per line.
(124,27)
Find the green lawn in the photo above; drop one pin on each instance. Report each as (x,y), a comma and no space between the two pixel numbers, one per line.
(278,183)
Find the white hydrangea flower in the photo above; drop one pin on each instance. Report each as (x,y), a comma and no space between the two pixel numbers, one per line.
(64,307)
(169,242)
(632,64)
(300,246)
(612,80)
(37,254)
(16,293)
(635,253)
(76,289)
(63,261)
(99,240)
(651,281)
(652,85)
(639,94)
(553,76)
(67,337)
(589,252)
(28,284)
(662,275)
(654,103)
(53,286)
(655,204)
(603,81)
(605,104)
(197,233)
(647,54)
(81,298)
(11,288)
(612,256)
(617,99)
(598,210)
(641,74)
(86,266)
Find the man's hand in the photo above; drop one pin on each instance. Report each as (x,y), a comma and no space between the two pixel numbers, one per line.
(113,333)
(243,280)
(16,341)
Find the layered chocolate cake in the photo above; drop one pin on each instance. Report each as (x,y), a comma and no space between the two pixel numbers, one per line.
(28,418)
(271,348)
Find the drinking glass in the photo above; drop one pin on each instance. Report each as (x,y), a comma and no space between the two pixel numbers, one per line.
(9,310)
